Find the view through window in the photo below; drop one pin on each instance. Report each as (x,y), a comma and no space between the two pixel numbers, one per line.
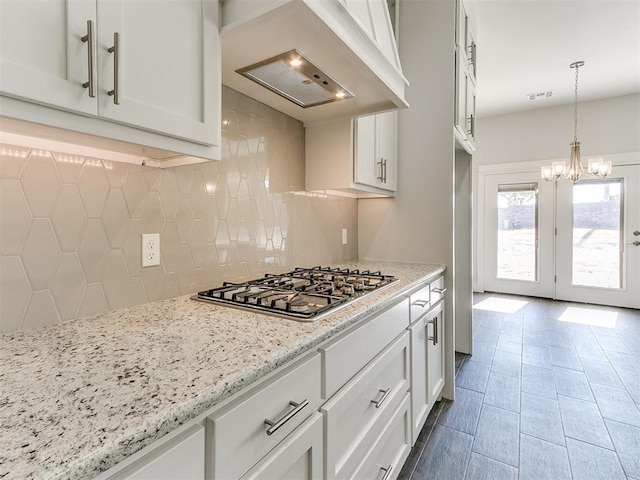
(597,233)
(517,256)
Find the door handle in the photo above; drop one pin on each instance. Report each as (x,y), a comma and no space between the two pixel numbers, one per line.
(115,93)
(89,39)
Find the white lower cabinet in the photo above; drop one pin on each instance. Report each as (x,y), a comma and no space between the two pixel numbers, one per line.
(427,365)
(356,415)
(244,431)
(181,457)
(297,457)
(391,448)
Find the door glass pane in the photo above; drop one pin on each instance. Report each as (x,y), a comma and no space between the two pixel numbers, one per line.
(517,257)
(597,229)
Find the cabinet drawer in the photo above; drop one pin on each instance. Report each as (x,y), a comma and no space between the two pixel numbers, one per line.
(239,434)
(392,448)
(356,415)
(426,297)
(346,356)
(179,457)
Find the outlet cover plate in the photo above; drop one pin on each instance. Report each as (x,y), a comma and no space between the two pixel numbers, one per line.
(150,249)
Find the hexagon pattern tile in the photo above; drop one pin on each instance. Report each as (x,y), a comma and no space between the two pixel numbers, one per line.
(70,226)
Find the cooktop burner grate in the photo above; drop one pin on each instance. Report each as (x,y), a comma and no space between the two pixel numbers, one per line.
(302,294)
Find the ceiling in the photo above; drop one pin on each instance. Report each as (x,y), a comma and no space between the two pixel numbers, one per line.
(526,46)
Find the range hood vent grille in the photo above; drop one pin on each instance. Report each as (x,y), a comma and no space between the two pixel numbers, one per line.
(292,76)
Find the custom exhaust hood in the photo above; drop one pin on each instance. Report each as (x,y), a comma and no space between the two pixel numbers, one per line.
(314,60)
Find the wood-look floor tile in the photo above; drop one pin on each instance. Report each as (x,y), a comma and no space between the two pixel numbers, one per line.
(582,420)
(572,383)
(474,376)
(536,356)
(601,373)
(485,468)
(497,435)
(540,418)
(616,404)
(538,381)
(507,363)
(626,440)
(543,460)
(445,455)
(565,358)
(463,414)
(503,391)
(589,462)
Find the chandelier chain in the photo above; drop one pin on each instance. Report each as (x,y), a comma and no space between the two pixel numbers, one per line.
(575,109)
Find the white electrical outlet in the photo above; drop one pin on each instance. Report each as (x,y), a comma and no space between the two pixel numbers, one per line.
(150,249)
(344,236)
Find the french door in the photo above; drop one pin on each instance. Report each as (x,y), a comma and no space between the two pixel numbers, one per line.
(577,242)
(598,239)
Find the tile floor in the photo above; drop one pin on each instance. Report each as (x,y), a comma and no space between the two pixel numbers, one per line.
(552,391)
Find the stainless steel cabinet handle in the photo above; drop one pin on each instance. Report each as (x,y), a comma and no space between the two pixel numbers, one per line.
(89,39)
(439,291)
(387,472)
(274,426)
(636,233)
(385,394)
(115,93)
(434,322)
(636,243)
(421,303)
(385,171)
(381,163)
(471,126)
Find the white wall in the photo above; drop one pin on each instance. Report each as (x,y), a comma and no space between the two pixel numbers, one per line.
(417,225)
(605,126)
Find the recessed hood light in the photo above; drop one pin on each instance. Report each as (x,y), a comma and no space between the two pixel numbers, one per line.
(294,77)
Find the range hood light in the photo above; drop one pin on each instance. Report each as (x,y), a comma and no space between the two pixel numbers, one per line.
(292,76)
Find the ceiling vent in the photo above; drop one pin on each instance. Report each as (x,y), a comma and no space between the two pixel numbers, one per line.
(293,76)
(539,95)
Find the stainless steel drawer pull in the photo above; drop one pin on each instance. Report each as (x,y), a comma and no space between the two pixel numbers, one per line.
(381,163)
(115,93)
(387,472)
(88,39)
(439,291)
(274,426)
(434,322)
(421,303)
(385,394)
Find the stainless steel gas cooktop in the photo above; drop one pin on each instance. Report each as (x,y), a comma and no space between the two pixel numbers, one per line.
(303,294)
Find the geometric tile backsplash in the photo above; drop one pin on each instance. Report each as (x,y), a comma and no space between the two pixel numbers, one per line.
(70,226)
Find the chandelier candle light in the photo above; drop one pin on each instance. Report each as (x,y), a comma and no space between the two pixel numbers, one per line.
(597,166)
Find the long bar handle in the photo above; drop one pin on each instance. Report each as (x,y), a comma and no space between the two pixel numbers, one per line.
(387,472)
(385,171)
(471,126)
(434,322)
(274,426)
(115,49)
(385,394)
(381,163)
(89,40)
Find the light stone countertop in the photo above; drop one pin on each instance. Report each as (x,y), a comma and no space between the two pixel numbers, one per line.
(79,397)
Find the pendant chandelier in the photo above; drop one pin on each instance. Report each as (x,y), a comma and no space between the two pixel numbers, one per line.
(597,167)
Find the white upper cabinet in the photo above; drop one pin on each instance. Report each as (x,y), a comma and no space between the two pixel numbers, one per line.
(355,158)
(110,65)
(466,67)
(164,76)
(43,58)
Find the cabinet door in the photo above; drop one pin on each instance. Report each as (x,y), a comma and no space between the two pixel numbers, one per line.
(435,352)
(470,112)
(297,457)
(167,72)
(460,113)
(367,166)
(43,58)
(420,405)
(386,134)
